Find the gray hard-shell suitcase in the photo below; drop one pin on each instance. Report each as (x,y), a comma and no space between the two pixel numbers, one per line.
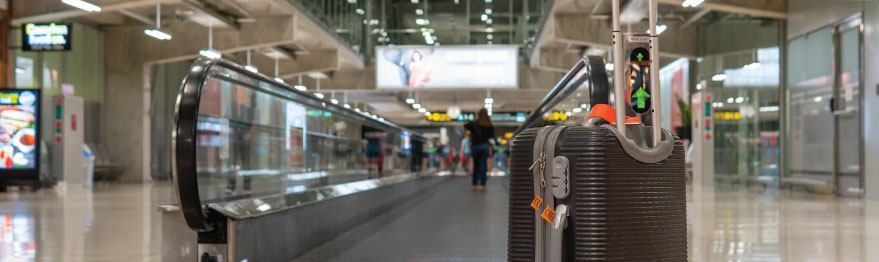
(610,198)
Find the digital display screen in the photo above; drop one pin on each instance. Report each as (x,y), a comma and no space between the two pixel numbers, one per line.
(46,37)
(19,145)
(447,67)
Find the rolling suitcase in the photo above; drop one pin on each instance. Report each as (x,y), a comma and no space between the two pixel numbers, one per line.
(612,190)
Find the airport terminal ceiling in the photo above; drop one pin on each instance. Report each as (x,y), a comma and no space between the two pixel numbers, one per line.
(336,40)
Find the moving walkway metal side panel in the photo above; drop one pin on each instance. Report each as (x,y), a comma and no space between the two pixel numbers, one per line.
(286,235)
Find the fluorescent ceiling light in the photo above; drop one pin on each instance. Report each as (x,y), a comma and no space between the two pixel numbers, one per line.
(334,101)
(346,106)
(577,110)
(692,3)
(488,106)
(752,65)
(357,110)
(360,11)
(488,21)
(426,113)
(158,34)
(739,100)
(416,106)
(718,77)
(352,1)
(730,100)
(83,5)
(818,99)
(488,1)
(279,80)
(210,53)
(568,113)
(483,17)
(659,29)
(584,105)
(422,21)
(489,29)
(251,68)
(319,95)
(419,11)
(608,66)
(488,11)
(300,88)
(422,110)
(489,100)
(769,109)
(489,42)
(489,37)
(414,1)
(410,100)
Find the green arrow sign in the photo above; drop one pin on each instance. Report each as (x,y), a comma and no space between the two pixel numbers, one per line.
(640,57)
(642,96)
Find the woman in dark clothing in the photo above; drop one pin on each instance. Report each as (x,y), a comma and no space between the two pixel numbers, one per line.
(481,131)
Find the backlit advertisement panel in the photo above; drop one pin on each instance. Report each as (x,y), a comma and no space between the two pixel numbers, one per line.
(447,67)
(19,144)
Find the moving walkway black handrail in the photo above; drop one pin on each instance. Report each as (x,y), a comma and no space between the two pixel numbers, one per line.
(184,135)
(599,88)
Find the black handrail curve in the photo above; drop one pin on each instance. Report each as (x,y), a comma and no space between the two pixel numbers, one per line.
(599,88)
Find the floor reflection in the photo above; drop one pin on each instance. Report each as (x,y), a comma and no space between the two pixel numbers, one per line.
(738,224)
(117,222)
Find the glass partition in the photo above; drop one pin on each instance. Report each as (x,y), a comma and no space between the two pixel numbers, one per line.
(256,138)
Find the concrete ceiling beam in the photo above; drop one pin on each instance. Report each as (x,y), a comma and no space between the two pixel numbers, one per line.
(319,30)
(581,30)
(756,8)
(73,13)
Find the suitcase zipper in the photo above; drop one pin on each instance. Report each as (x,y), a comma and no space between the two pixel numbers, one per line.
(542,161)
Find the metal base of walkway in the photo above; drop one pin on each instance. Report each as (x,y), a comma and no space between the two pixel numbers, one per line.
(450,222)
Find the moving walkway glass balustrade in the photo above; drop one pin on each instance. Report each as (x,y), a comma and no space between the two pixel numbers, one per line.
(256,138)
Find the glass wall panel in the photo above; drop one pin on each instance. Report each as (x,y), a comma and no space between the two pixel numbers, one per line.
(257,139)
(810,85)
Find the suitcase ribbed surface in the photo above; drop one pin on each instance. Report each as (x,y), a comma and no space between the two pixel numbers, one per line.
(621,209)
(520,235)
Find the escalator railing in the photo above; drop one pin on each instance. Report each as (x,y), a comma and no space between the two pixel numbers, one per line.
(589,72)
(245,145)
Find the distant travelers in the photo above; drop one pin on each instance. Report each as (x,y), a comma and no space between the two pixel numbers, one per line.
(374,154)
(481,131)
(500,156)
(466,155)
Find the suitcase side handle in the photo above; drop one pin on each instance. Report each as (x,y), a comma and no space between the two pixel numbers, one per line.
(637,143)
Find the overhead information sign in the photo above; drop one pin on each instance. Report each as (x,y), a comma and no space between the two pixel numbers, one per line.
(443,117)
(447,67)
(509,117)
(46,37)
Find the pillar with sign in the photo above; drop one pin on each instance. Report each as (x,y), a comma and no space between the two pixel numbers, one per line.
(67,140)
(703,139)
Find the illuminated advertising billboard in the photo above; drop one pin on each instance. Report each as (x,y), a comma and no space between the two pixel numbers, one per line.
(447,67)
(46,37)
(19,136)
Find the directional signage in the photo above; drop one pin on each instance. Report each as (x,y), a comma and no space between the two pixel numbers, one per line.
(639,80)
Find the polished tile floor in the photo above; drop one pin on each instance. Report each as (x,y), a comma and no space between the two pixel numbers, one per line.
(119,222)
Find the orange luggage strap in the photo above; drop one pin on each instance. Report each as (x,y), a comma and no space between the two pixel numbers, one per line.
(606,112)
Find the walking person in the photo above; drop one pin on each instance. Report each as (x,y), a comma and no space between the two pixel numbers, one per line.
(481,130)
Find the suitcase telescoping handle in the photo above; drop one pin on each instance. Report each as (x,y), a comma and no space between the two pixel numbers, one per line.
(619,77)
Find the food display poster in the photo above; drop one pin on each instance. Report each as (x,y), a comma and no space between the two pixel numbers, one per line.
(19,144)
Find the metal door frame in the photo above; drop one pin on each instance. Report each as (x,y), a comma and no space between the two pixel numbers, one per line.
(854,22)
